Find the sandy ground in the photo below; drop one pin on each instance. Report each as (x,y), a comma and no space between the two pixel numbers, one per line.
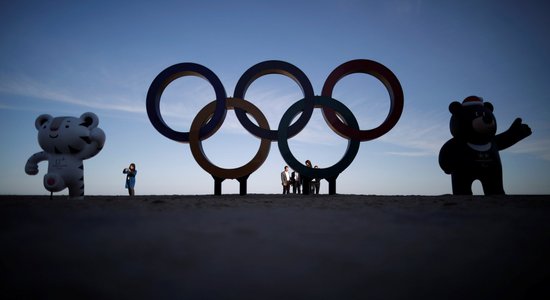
(275,247)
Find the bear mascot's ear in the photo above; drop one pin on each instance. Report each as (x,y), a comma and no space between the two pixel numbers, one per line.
(89,120)
(41,120)
(455,107)
(488,106)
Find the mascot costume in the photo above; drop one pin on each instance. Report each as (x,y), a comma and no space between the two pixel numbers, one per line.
(472,153)
(66,142)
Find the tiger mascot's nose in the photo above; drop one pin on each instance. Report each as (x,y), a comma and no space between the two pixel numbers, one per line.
(56,123)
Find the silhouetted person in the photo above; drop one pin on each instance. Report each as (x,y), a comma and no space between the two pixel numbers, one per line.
(296,182)
(130,178)
(316,183)
(285,180)
(306,188)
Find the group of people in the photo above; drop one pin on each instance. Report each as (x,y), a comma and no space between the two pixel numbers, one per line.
(299,184)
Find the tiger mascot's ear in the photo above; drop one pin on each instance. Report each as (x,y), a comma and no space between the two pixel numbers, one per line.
(89,120)
(41,120)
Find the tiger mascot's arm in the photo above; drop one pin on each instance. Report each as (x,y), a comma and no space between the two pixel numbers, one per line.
(96,138)
(31,167)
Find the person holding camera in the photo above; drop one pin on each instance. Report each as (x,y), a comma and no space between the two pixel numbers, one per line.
(130,178)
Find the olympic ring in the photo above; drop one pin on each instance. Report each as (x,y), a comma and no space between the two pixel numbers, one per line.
(164,79)
(210,118)
(196,144)
(345,161)
(274,67)
(383,74)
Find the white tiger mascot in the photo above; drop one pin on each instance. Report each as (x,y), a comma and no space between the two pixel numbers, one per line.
(66,142)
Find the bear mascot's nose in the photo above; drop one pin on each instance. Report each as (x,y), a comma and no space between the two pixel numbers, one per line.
(487,119)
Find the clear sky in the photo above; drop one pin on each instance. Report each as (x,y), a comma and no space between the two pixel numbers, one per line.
(69,57)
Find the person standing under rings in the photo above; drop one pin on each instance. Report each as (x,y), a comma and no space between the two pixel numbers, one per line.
(296,181)
(316,183)
(285,180)
(130,178)
(306,181)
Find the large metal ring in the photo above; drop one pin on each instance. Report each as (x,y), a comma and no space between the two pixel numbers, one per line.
(196,143)
(383,74)
(345,161)
(274,67)
(164,79)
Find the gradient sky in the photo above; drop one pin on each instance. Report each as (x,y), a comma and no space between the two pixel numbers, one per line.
(69,57)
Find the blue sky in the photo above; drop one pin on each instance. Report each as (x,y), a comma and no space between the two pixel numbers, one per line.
(70,57)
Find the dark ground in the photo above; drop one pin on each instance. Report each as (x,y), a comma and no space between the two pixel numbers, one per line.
(275,247)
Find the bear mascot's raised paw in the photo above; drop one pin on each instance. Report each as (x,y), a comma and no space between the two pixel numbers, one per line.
(66,142)
(473,152)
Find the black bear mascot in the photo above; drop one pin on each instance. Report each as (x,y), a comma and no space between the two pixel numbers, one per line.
(472,153)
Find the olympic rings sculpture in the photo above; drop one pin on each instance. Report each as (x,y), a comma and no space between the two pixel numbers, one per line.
(338,116)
